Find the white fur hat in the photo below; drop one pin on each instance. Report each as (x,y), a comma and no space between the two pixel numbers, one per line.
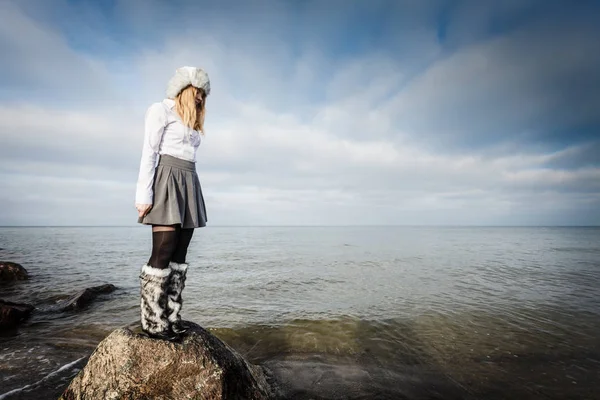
(185,76)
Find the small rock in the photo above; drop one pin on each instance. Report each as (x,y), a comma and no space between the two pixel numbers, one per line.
(129,365)
(11,314)
(85,297)
(10,271)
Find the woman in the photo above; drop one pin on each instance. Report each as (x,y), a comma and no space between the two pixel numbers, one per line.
(169,198)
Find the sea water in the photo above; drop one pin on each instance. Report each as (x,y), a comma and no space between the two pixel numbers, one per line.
(336,312)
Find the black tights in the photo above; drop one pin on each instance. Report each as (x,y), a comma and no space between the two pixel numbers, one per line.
(170,246)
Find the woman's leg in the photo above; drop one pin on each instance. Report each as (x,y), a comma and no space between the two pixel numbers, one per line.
(164,243)
(178,277)
(183,242)
(155,279)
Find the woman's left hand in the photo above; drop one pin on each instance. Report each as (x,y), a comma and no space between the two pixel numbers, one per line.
(143,209)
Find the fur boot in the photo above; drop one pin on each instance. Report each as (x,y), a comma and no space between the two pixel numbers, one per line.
(174,288)
(154,299)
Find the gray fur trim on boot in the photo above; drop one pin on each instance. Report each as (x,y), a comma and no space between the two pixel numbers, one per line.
(175,287)
(153,304)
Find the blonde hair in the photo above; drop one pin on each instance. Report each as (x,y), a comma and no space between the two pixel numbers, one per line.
(190,114)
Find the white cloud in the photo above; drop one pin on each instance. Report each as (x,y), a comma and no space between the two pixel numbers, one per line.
(40,64)
(527,83)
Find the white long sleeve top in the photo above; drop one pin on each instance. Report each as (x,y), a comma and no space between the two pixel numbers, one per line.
(164,133)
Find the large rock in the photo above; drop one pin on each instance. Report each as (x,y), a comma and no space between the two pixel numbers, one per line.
(11,314)
(10,271)
(85,296)
(129,365)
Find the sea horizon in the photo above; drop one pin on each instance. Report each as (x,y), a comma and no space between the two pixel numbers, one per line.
(314,226)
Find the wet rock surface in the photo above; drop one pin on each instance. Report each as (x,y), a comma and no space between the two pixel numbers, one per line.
(305,377)
(84,297)
(10,271)
(11,314)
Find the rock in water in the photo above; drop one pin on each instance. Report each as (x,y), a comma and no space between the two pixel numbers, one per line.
(85,297)
(10,271)
(11,314)
(129,365)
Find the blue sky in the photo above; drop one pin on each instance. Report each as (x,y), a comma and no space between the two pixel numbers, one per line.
(322,112)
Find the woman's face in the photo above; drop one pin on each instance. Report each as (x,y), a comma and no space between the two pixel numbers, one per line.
(199,98)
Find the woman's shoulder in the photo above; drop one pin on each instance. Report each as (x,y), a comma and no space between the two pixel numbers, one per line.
(159,106)
(157,109)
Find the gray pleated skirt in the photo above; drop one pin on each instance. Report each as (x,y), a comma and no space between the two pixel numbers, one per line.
(177,195)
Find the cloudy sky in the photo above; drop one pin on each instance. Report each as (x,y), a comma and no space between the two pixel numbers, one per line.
(321,112)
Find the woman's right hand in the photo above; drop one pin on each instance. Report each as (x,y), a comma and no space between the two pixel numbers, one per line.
(143,209)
